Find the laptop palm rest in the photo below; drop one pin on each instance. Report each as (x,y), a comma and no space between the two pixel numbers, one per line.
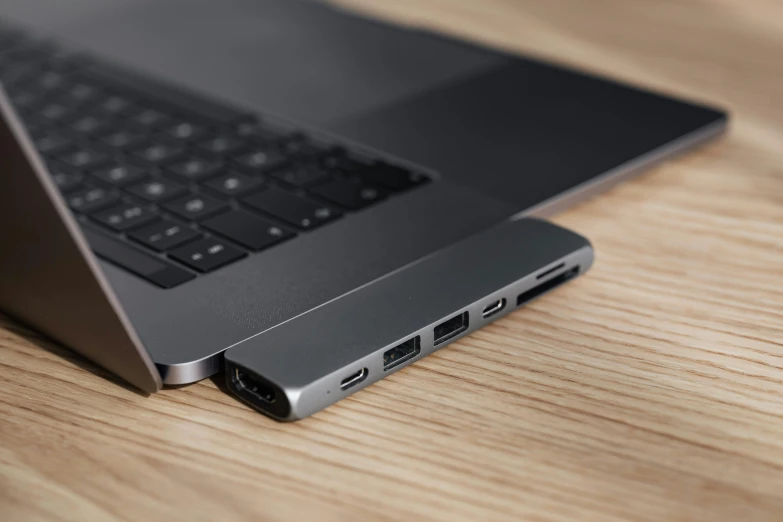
(309,362)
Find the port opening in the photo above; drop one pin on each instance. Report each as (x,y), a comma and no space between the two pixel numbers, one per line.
(401,353)
(451,328)
(493,308)
(546,286)
(354,379)
(253,387)
(552,270)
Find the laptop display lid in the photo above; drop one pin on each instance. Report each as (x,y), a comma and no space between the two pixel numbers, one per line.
(49,277)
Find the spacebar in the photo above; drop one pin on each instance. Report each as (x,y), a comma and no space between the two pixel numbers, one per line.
(150,268)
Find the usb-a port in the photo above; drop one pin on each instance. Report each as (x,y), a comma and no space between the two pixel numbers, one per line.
(451,328)
(401,353)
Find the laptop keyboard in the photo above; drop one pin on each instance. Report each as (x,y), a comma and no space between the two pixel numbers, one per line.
(169,185)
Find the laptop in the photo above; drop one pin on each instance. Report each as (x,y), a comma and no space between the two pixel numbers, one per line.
(49,277)
(232,183)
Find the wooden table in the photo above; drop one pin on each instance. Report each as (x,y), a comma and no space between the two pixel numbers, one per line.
(651,389)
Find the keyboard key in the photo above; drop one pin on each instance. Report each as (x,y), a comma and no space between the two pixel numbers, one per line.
(195,169)
(84,159)
(125,217)
(164,236)
(65,181)
(56,112)
(340,161)
(80,92)
(119,175)
(234,184)
(298,211)
(159,153)
(157,190)
(248,230)
(49,81)
(185,131)
(25,99)
(207,254)
(392,177)
(349,194)
(195,207)
(150,119)
(151,268)
(124,139)
(52,144)
(90,125)
(301,175)
(116,106)
(221,145)
(91,199)
(259,160)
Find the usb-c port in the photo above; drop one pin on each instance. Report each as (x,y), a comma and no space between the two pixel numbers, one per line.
(354,379)
(493,308)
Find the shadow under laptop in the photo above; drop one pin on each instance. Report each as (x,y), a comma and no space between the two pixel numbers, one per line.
(40,340)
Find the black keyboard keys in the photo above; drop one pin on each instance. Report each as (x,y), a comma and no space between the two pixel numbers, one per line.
(120,175)
(80,92)
(129,153)
(24,99)
(84,159)
(248,230)
(301,175)
(91,199)
(116,106)
(157,190)
(221,145)
(207,254)
(125,217)
(65,181)
(195,169)
(90,124)
(392,177)
(55,112)
(349,193)
(52,144)
(185,131)
(298,211)
(159,153)
(124,139)
(151,268)
(234,184)
(49,81)
(150,119)
(260,161)
(195,207)
(164,236)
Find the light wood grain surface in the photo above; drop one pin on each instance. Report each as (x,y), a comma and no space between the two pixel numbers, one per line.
(651,389)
